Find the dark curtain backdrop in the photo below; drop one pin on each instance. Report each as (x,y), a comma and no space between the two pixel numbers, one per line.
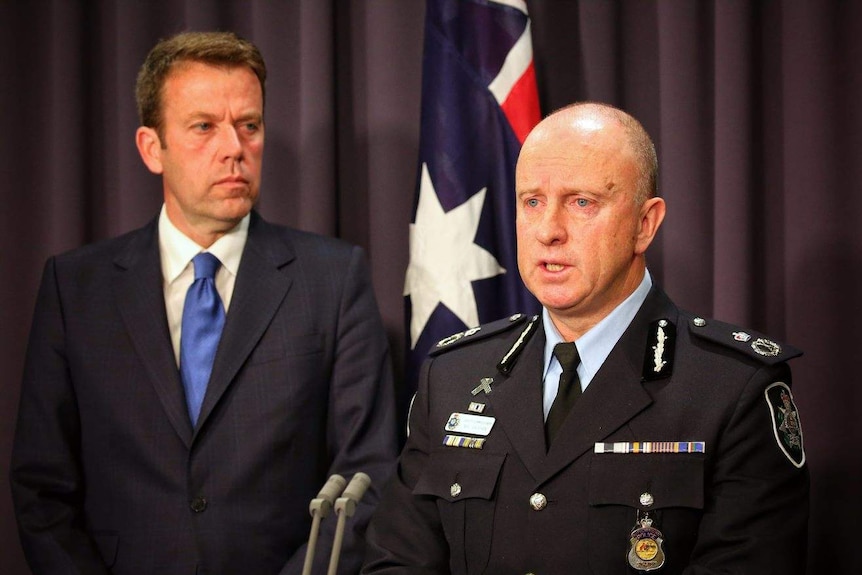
(754,107)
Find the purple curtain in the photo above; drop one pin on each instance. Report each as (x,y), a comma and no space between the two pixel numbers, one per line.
(754,108)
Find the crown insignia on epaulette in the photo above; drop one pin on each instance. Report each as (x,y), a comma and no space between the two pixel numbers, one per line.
(754,345)
(766,347)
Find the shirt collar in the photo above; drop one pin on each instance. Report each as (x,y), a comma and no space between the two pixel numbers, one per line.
(596,344)
(177,249)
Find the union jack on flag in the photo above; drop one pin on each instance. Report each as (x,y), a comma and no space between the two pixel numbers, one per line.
(479,102)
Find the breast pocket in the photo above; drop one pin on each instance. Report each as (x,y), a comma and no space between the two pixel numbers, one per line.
(464,483)
(285,380)
(271,348)
(670,487)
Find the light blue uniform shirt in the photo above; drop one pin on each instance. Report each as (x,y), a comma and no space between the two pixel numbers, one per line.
(594,346)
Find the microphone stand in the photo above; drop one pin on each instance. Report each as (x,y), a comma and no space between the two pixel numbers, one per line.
(319,508)
(345,506)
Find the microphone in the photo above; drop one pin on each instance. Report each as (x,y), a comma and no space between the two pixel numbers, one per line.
(352,494)
(345,506)
(327,494)
(319,508)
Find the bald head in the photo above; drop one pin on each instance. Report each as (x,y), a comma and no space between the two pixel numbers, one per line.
(595,117)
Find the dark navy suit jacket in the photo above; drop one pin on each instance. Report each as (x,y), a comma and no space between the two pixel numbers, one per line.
(108,475)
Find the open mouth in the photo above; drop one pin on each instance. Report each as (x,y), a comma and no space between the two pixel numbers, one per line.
(554,267)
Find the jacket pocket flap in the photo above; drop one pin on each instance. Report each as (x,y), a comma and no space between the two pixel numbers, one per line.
(670,480)
(273,349)
(456,473)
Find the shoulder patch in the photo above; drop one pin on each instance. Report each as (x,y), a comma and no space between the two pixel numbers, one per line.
(785,422)
(751,343)
(477,333)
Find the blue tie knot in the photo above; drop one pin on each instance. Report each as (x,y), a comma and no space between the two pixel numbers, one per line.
(206,265)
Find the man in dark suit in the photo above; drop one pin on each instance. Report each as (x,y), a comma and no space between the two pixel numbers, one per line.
(613,433)
(179,421)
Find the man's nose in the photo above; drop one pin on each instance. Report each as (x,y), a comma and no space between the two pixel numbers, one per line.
(230,144)
(551,228)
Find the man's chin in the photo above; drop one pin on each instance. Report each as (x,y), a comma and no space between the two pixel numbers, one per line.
(552,296)
(234,209)
(562,304)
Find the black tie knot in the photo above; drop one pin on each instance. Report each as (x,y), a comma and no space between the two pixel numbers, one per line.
(567,355)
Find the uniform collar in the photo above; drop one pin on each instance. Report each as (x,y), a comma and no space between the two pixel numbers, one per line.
(596,344)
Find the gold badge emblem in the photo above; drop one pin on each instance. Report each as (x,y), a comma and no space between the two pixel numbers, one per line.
(646,552)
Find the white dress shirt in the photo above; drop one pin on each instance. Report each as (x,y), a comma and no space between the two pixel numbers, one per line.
(177,250)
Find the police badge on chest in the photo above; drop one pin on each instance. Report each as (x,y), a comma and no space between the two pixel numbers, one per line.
(646,552)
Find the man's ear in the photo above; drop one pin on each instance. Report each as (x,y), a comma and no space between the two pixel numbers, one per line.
(150,148)
(651,217)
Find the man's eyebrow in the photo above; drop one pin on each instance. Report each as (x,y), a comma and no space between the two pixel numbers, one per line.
(201,115)
(256,116)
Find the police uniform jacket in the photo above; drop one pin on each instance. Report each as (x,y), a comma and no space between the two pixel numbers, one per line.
(497,502)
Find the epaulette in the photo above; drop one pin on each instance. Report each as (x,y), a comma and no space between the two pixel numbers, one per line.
(746,341)
(477,333)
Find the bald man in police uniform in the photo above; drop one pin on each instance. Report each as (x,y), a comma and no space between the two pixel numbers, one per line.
(677,448)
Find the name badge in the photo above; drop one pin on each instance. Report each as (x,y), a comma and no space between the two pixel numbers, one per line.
(472,424)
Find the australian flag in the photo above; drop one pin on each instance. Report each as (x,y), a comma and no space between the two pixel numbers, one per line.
(479,101)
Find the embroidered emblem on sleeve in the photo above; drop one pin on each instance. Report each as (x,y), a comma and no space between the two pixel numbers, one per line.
(785,422)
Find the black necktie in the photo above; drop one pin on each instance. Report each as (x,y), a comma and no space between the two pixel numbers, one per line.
(569,390)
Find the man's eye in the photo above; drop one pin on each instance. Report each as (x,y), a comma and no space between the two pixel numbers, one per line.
(203,126)
(582,203)
(532,202)
(249,127)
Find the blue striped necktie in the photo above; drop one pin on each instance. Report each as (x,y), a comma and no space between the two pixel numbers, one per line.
(203,320)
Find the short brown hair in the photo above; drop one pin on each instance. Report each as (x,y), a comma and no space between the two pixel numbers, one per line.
(217,48)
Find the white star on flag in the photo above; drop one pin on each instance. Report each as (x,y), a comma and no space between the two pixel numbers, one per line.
(444,259)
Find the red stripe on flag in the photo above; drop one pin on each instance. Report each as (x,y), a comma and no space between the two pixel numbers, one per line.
(522,104)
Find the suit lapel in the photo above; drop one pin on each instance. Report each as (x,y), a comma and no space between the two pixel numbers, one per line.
(140,298)
(517,403)
(261,285)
